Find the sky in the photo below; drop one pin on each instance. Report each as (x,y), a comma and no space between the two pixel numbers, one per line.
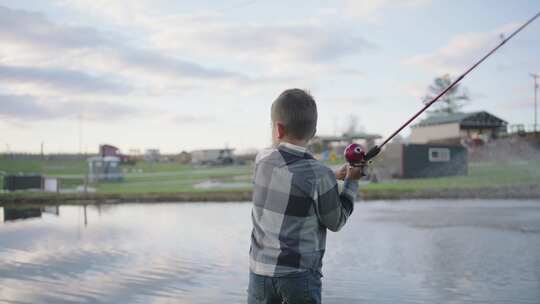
(185,75)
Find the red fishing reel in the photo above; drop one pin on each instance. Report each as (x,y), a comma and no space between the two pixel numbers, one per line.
(355,155)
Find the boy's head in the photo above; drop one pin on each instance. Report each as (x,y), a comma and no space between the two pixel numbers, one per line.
(294,117)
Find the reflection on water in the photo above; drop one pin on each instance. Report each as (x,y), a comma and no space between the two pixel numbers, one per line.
(26,212)
(406,252)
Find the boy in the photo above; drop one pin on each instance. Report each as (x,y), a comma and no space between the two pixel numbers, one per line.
(295,199)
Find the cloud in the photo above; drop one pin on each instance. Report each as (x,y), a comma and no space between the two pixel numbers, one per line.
(83,45)
(27,108)
(61,79)
(459,51)
(186,119)
(349,100)
(160,64)
(271,46)
(371,10)
(314,41)
(33,28)
(305,42)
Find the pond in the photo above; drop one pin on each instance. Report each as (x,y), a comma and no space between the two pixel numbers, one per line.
(425,251)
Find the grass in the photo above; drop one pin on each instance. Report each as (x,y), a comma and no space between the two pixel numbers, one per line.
(177,178)
(481,175)
(47,167)
(181,180)
(144,177)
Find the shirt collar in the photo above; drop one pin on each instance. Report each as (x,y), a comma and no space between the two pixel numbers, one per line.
(294,147)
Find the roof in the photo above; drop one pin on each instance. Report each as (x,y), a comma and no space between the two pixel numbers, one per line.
(477,119)
(109,146)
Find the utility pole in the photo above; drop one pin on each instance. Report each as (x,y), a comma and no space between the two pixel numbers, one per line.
(535,77)
(80,132)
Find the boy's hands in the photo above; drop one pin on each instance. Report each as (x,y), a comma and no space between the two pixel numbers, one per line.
(341,172)
(349,172)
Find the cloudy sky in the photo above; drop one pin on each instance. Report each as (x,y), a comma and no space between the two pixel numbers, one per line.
(182,75)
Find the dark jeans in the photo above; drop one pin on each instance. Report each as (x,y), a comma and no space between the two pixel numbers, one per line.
(299,288)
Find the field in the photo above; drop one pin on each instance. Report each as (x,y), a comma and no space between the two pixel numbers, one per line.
(154,178)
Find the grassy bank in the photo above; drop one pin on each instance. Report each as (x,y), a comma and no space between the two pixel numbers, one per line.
(171,181)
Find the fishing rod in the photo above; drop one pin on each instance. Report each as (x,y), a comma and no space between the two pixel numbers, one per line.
(354,153)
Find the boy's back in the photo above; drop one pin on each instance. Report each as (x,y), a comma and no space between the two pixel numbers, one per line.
(295,199)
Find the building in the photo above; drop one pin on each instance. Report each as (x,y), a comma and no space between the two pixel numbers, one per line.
(329,147)
(104,169)
(108,150)
(152,155)
(112,151)
(425,160)
(212,157)
(458,128)
(32,182)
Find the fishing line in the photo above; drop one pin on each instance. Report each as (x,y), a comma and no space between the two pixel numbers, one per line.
(377,148)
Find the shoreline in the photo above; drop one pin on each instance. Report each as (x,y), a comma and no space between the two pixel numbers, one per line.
(503,192)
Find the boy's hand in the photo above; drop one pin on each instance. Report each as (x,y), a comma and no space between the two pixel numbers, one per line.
(349,172)
(355,173)
(341,173)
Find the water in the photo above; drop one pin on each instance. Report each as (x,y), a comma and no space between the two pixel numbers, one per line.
(389,252)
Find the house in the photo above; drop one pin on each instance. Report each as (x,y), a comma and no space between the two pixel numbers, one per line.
(458,128)
(112,151)
(212,157)
(108,150)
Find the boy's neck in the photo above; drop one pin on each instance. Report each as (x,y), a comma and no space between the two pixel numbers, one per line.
(300,143)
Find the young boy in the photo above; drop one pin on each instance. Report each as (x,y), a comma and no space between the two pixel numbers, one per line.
(295,200)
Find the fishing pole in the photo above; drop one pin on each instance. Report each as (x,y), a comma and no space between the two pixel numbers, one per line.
(356,156)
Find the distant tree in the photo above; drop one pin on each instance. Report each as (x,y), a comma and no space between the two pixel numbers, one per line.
(449,103)
(353,125)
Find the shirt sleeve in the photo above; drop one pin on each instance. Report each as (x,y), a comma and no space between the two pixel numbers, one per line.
(333,207)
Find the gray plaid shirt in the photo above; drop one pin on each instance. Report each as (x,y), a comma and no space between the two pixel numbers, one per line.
(295,199)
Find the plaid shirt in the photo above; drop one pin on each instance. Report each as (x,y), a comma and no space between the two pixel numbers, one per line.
(295,199)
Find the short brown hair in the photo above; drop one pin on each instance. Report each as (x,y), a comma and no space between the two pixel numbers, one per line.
(296,109)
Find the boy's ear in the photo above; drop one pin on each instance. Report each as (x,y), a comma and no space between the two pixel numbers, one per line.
(280,130)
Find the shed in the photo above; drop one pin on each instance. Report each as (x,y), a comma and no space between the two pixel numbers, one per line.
(426,160)
(23,182)
(104,169)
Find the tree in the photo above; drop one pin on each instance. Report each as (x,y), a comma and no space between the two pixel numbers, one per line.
(449,103)
(353,125)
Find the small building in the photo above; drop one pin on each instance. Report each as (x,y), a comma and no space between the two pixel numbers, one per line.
(108,150)
(425,160)
(104,169)
(458,128)
(152,155)
(212,157)
(329,147)
(23,182)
